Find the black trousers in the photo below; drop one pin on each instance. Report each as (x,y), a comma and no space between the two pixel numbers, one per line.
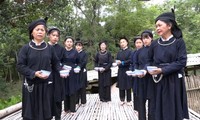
(123,93)
(70,103)
(57,110)
(104,93)
(135,102)
(151,109)
(141,108)
(81,96)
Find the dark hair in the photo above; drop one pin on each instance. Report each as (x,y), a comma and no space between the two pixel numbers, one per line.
(52,30)
(137,38)
(124,39)
(146,34)
(105,42)
(69,37)
(79,42)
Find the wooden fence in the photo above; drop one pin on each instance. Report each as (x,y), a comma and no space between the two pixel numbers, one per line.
(193,92)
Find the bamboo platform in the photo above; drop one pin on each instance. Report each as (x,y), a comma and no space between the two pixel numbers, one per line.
(96,110)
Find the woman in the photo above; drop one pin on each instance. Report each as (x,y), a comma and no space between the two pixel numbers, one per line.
(142,84)
(138,43)
(168,53)
(35,61)
(82,80)
(71,82)
(124,82)
(104,60)
(58,88)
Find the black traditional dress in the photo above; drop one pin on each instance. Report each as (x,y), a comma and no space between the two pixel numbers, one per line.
(143,85)
(71,82)
(104,59)
(134,86)
(82,81)
(36,92)
(170,91)
(58,84)
(124,82)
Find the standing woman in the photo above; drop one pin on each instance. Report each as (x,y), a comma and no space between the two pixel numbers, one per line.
(82,78)
(58,88)
(124,82)
(143,82)
(33,57)
(138,43)
(168,53)
(71,82)
(104,59)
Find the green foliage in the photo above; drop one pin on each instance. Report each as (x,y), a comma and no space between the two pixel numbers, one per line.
(8,102)
(10,93)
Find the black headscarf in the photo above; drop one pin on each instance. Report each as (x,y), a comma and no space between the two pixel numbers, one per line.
(169,17)
(35,23)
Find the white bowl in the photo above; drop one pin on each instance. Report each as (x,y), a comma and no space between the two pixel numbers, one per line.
(64,72)
(96,68)
(77,70)
(101,68)
(66,67)
(117,61)
(114,64)
(138,72)
(45,72)
(129,73)
(151,68)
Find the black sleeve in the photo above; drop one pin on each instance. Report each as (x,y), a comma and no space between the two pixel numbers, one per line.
(83,61)
(96,60)
(55,61)
(22,66)
(110,61)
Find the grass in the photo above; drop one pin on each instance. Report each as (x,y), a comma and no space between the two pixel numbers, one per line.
(10,93)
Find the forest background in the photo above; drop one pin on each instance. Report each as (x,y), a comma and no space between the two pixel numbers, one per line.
(88,20)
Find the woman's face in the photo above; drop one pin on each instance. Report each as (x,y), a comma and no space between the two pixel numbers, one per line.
(79,47)
(54,37)
(103,46)
(123,43)
(147,41)
(138,43)
(69,43)
(162,28)
(39,33)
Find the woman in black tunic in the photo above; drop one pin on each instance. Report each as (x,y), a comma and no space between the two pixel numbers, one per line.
(138,43)
(71,82)
(58,83)
(35,56)
(103,60)
(82,80)
(143,81)
(168,53)
(124,82)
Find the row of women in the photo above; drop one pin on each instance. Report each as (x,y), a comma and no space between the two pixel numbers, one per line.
(43,93)
(163,87)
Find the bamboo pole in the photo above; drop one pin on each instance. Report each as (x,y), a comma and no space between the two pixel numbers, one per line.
(10,109)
